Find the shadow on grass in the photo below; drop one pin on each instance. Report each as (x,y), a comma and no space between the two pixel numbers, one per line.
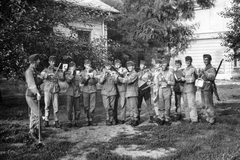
(191,141)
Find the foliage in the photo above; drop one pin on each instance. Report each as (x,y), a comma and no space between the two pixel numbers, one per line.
(155,23)
(231,38)
(27,27)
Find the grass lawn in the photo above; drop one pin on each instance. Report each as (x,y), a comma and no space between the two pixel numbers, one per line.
(191,141)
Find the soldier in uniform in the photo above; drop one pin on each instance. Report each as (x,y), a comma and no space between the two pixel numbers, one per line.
(32,92)
(51,91)
(189,91)
(121,91)
(208,74)
(109,91)
(89,91)
(178,87)
(156,70)
(144,80)
(73,78)
(131,80)
(164,81)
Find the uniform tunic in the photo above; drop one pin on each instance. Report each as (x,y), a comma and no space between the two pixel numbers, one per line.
(131,81)
(109,92)
(30,95)
(189,92)
(208,75)
(164,81)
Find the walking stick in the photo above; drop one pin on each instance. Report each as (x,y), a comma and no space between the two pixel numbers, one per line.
(39,123)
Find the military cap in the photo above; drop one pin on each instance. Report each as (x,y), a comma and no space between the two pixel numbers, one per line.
(71,64)
(52,58)
(165,61)
(143,62)
(34,57)
(158,61)
(108,63)
(87,61)
(130,63)
(208,56)
(178,61)
(117,61)
(188,58)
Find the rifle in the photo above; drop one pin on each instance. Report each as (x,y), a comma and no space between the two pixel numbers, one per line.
(115,70)
(214,84)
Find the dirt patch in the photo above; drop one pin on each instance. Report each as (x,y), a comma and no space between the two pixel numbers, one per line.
(137,151)
(86,136)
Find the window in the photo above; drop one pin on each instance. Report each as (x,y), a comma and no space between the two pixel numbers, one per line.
(84,36)
(236,63)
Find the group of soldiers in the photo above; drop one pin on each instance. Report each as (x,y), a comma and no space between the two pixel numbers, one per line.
(121,88)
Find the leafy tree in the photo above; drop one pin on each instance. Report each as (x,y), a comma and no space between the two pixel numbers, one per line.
(27,27)
(231,38)
(143,25)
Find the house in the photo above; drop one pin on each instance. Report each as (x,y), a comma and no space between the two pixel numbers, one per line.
(92,29)
(207,40)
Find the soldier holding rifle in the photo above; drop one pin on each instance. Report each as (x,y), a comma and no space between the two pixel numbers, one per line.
(208,74)
(145,80)
(51,91)
(33,94)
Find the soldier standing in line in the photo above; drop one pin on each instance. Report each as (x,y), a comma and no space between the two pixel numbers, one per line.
(32,92)
(144,80)
(178,87)
(155,72)
(121,91)
(164,82)
(208,74)
(131,80)
(51,91)
(109,92)
(89,91)
(189,91)
(73,78)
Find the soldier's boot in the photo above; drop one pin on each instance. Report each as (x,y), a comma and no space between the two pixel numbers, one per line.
(151,119)
(121,121)
(57,124)
(159,121)
(134,123)
(46,123)
(108,123)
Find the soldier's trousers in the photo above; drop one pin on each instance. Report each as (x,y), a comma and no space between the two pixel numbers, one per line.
(177,97)
(73,108)
(89,103)
(146,95)
(190,106)
(48,98)
(121,99)
(34,117)
(164,103)
(132,103)
(207,103)
(109,105)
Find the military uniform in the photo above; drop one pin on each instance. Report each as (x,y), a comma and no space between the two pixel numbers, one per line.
(31,93)
(73,94)
(109,92)
(208,75)
(121,91)
(89,92)
(131,80)
(178,88)
(189,92)
(145,79)
(51,91)
(164,81)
